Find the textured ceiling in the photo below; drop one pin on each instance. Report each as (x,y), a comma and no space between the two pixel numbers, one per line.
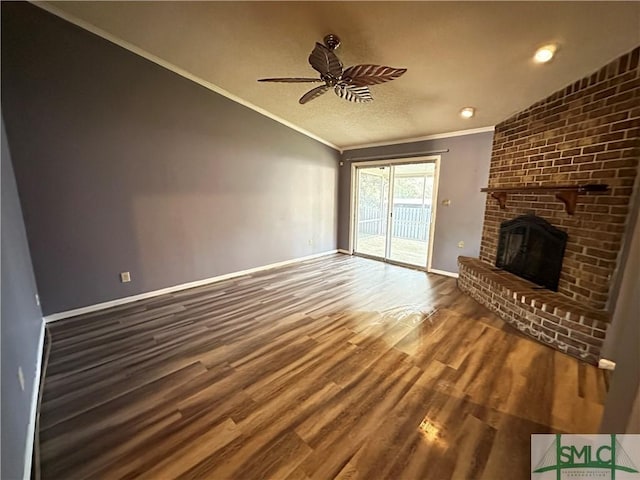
(457,54)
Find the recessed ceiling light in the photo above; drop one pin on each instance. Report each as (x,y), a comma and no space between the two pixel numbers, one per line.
(544,54)
(467,112)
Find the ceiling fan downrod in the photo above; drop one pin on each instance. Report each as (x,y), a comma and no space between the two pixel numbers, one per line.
(331,41)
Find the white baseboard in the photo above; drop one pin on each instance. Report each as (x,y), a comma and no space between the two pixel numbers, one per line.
(442,272)
(605,364)
(346,252)
(142,296)
(31,428)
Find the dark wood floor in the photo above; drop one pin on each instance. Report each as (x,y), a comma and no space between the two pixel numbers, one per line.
(339,367)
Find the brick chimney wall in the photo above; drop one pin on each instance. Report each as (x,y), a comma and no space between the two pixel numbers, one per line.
(588,132)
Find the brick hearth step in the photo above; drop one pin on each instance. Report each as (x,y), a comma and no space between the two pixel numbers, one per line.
(549,317)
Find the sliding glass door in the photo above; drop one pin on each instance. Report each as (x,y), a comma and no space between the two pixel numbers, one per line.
(411,213)
(393,214)
(373,207)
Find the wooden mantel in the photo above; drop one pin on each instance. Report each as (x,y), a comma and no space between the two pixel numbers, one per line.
(567,194)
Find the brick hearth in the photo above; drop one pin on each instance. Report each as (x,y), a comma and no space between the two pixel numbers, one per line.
(550,317)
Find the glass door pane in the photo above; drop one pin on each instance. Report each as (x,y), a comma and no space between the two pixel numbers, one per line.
(411,213)
(372,213)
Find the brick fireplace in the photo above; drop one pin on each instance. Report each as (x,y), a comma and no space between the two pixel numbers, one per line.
(586,133)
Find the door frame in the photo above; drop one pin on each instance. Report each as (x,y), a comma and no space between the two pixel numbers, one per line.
(387,163)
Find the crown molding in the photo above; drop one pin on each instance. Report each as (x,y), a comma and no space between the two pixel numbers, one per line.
(436,136)
(175,69)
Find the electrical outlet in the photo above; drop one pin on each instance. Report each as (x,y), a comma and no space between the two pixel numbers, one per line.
(37,300)
(21,378)
(446,202)
(125,277)
(310,242)
(461,244)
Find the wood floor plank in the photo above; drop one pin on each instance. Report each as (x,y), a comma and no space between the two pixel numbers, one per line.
(336,367)
(182,459)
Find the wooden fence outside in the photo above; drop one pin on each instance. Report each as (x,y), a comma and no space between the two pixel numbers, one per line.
(409,221)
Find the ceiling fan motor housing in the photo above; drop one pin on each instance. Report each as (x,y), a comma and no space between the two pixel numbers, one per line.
(329,79)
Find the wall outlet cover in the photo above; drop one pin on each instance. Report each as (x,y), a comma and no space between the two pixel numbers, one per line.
(125,277)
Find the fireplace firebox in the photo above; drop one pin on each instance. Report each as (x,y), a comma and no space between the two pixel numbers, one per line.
(532,248)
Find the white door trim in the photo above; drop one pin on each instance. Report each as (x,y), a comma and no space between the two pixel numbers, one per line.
(434,211)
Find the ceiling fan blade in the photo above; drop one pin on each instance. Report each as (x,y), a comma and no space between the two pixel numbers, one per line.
(325,61)
(313,93)
(291,80)
(360,75)
(353,93)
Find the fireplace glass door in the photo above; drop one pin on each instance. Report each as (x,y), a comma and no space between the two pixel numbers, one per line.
(532,248)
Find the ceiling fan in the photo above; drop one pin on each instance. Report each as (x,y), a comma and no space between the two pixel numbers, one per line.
(350,84)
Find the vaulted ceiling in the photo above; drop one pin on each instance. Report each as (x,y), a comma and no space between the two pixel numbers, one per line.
(457,54)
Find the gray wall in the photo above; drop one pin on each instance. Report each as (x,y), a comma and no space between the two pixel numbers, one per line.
(623,396)
(464,169)
(626,258)
(123,165)
(21,324)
